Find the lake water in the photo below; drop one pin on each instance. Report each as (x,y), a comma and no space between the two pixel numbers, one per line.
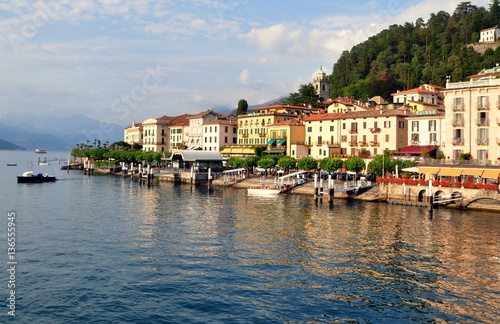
(102,249)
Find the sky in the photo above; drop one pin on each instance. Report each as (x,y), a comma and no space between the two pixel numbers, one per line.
(124,60)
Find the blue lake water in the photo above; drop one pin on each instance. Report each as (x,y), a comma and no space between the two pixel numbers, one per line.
(102,249)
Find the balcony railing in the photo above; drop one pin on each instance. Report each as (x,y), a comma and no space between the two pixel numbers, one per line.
(483,106)
(457,122)
(262,134)
(482,141)
(244,135)
(415,142)
(482,121)
(458,107)
(375,130)
(458,141)
(374,143)
(363,143)
(353,130)
(353,143)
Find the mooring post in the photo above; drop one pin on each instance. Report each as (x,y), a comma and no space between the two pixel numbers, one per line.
(330,189)
(209,177)
(316,187)
(320,187)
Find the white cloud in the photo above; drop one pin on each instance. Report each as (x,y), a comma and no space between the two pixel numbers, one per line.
(245,77)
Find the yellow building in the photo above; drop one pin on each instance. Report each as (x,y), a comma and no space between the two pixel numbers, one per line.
(472,117)
(282,136)
(322,136)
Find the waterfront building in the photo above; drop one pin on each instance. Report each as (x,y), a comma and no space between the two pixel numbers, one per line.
(368,133)
(200,161)
(133,134)
(252,127)
(425,132)
(178,127)
(218,133)
(194,133)
(472,120)
(155,134)
(284,137)
(322,136)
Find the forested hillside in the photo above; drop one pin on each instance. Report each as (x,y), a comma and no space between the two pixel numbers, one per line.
(403,57)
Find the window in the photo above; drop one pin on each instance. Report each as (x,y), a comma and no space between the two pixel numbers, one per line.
(432,125)
(387,124)
(343,125)
(364,125)
(415,138)
(331,128)
(387,138)
(332,140)
(458,119)
(482,102)
(482,154)
(225,129)
(458,103)
(320,140)
(414,126)
(309,129)
(343,138)
(375,125)
(433,138)
(225,139)
(320,128)
(309,141)
(401,124)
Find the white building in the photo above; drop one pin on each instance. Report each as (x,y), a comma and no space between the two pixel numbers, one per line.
(194,133)
(489,35)
(217,133)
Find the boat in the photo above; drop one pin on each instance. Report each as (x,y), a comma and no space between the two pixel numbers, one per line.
(263,191)
(40,151)
(30,177)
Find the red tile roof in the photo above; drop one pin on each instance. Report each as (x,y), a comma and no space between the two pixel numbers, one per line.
(416,149)
(374,113)
(415,90)
(330,116)
(282,106)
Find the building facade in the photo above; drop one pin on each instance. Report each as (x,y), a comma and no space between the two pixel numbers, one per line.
(218,133)
(472,118)
(489,35)
(322,136)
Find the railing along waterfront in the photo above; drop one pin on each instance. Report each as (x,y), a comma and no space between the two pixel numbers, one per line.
(470,84)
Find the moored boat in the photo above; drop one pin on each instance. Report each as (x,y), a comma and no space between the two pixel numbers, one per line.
(30,177)
(40,151)
(263,191)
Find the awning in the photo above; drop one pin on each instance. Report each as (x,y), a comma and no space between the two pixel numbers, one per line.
(271,142)
(428,170)
(450,172)
(412,169)
(491,174)
(281,141)
(416,149)
(473,172)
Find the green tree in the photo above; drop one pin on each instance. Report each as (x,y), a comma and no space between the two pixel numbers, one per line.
(250,162)
(235,162)
(306,95)
(331,164)
(495,12)
(267,163)
(242,107)
(307,163)
(258,150)
(286,163)
(381,164)
(355,164)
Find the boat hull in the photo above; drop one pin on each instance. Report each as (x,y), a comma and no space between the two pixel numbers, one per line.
(263,191)
(35,179)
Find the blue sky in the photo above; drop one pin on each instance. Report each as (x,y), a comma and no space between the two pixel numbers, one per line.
(124,60)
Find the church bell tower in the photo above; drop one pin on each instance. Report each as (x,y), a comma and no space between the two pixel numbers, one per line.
(321,84)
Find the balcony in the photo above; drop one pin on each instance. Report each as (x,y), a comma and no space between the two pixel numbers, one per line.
(353,143)
(353,131)
(374,143)
(482,141)
(483,106)
(244,135)
(458,141)
(415,142)
(482,121)
(262,134)
(361,143)
(457,123)
(334,145)
(375,130)
(458,107)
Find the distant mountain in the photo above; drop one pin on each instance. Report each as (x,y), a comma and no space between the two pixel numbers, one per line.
(55,132)
(5,145)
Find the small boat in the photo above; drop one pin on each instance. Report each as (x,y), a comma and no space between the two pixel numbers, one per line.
(263,191)
(40,151)
(11,164)
(30,177)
